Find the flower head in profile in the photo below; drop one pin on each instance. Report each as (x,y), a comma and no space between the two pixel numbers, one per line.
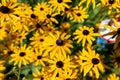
(85,34)
(116,57)
(90,62)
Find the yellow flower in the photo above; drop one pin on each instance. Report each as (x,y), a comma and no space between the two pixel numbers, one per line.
(7,10)
(85,34)
(41,75)
(50,17)
(40,10)
(40,57)
(58,43)
(69,12)
(59,4)
(3,33)
(116,57)
(80,14)
(113,77)
(88,2)
(69,75)
(90,61)
(38,40)
(22,56)
(60,63)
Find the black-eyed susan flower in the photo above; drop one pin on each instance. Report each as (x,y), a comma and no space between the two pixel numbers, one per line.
(60,63)
(39,57)
(80,14)
(58,43)
(50,17)
(41,75)
(40,10)
(69,12)
(90,61)
(69,75)
(38,40)
(2,68)
(88,2)
(59,5)
(116,57)
(3,32)
(8,51)
(111,3)
(23,55)
(85,34)
(113,77)
(7,10)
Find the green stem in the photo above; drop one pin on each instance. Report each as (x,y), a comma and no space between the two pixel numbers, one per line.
(19,71)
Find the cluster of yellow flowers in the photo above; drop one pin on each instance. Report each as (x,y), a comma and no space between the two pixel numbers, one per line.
(56,40)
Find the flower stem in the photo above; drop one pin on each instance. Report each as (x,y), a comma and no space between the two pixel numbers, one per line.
(19,71)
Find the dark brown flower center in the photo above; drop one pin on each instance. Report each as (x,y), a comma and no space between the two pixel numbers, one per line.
(118,31)
(57,75)
(68,79)
(42,78)
(59,64)
(41,9)
(33,16)
(60,42)
(95,61)
(38,25)
(111,1)
(4,9)
(10,52)
(60,1)
(78,14)
(39,57)
(48,16)
(22,54)
(86,32)
(66,9)
(41,40)
(118,59)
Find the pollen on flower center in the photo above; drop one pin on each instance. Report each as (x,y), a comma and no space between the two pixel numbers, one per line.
(111,1)
(60,1)
(59,42)
(33,16)
(39,57)
(22,54)
(86,32)
(95,61)
(59,64)
(4,9)
(118,31)
(118,59)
